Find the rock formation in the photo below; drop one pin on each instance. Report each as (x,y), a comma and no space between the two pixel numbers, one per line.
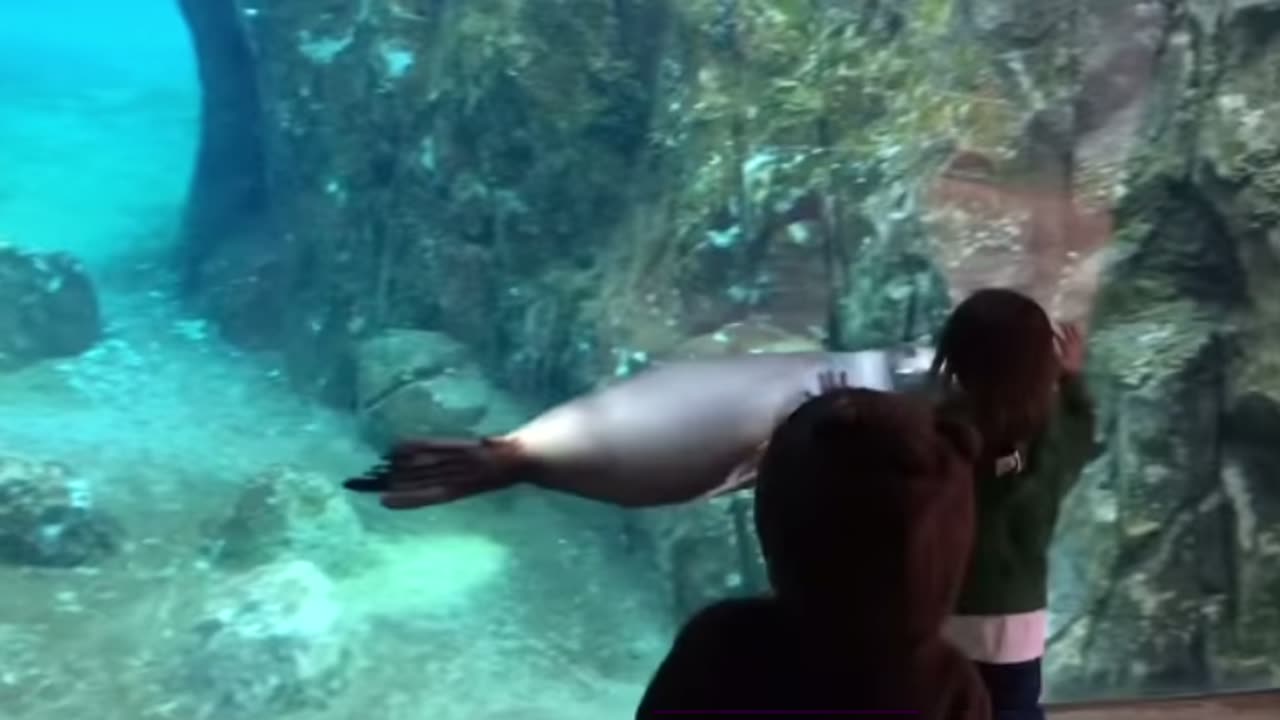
(48,308)
(271,641)
(285,513)
(50,517)
(413,383)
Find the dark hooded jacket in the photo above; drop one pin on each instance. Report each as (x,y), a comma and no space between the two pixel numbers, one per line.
(865,516)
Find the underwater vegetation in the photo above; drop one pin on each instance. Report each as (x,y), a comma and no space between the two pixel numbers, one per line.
(436,216)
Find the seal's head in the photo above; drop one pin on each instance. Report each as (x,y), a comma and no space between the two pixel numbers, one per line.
(864,508)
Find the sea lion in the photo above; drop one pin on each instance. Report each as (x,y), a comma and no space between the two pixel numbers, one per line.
(674,433)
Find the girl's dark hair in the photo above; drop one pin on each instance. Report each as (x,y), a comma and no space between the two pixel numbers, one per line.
(997,352)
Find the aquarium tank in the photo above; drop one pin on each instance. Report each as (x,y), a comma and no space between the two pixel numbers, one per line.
(247,245)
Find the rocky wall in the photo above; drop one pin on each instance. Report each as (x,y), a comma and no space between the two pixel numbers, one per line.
(1174,531)
(573,187)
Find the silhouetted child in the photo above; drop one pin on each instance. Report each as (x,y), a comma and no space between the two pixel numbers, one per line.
(997,363)
(864,508)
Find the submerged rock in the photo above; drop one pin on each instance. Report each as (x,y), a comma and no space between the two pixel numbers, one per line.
(449,404)
(290,513)
(271,641)
(415,383)
(738,338)
(396,357)
(707,551)
(48,517)
(48,307)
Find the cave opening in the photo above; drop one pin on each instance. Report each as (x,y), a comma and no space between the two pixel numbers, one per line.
(100,129)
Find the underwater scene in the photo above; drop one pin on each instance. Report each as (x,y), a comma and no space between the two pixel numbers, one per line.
(246,246)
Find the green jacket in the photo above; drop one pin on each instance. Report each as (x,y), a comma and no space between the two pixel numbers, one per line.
(1017,512)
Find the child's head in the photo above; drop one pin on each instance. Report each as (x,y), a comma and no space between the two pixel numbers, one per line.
(864,506)
(998,347)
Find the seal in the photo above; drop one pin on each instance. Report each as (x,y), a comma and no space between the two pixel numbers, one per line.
(670,434)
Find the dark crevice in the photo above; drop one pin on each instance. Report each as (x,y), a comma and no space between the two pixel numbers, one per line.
(1217,575)
(227,198)
(1248,439)
(1222,439)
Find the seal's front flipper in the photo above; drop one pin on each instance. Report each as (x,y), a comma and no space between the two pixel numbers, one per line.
(741,477)
(431,472)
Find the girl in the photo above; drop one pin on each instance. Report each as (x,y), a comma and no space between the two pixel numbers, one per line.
(1000,363)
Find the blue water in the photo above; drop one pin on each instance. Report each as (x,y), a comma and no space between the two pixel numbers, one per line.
(89,41)
(99,108)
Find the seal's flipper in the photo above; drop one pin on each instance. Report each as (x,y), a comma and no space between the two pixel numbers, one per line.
(429,472)
(741,477)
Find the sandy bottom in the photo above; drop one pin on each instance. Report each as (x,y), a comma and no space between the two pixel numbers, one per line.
(520,606)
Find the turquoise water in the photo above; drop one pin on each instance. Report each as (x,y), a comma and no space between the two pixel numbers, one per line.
(99,115)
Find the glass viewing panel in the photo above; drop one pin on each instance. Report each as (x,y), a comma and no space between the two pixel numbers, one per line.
(250,244)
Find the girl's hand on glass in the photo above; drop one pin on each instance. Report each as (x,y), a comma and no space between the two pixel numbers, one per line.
(1071,348)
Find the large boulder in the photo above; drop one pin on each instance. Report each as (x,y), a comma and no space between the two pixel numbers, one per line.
(400,356)
(269,642)
(287,513)
(414,383)
(49,516)
(48,307)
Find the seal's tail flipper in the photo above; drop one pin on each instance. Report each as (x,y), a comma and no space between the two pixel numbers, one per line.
(432,472)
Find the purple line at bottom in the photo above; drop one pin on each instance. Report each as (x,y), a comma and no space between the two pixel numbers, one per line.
(794,712)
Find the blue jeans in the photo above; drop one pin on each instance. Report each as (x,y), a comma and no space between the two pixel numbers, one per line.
(1014,689)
